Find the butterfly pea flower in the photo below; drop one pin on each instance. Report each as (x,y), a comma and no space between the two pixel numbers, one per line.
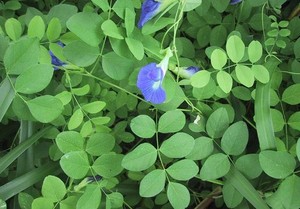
(233,2)
(150,79)
(150,8)
(187,72)
(54,60)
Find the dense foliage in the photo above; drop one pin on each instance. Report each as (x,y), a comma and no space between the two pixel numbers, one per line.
(155,104)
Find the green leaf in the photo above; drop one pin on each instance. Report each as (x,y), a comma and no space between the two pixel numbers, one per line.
(42,203)
(81,91)
(235,138)
(297,48)
(136,47)
(143,126)
(141,158)
(53,188)
(218,59)
(68,203)
(215,166)
(294,121)
(235,48)
(100,143)
(245,75)
(54,29)
(153,183)
(154,26)
(183,170)
(13,28)
(249,165)
(129,21)
(254,51)
(42,74)
(236,179)
(36,27)
(110,29)
(119,71)
(25,200)
(171,121)
(225,81)
(21,55)
(91,197)
(277,164)
(6,97)
(288,192)
(291,94)
(75,120)
(103,4)
(232,197)
(115,200)
(191,4)
(203,148)
(217,123)
(94,107)
(108,165)
(45,108)
(178,195)
(177,146)
(80,53)
(261,73)
(75,164)
(298,149)
(220,6)
(69,141)
(200,79)
(87,27)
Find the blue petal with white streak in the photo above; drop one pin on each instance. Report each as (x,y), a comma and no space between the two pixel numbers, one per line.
(233,2)
(149,81)
(149,9)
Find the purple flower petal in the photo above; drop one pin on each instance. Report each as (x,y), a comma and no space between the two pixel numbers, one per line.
(149,9)
(191,70)
(150,83)
(54,60)
(233,2)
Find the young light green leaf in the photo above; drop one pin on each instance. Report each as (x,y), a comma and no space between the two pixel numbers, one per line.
(53,188)
(36,27)
(65,97)
(183,170)
(232,197)
(260,73)
(225,81)
(42,202)
(244,75)
(100,143)
(294,121)
(177,146)
(94,107)
(108,165)
(75,164)
(91,197)
(103,4)
(217,123)
(54,29)
(191,4)
(42,73)
(203,148)
(171,121)
(235,48)
(178,195)
(215,166)
(218,59)
(75,120)
(143,126)
(69,141)
(45,108)
(13,28)
(277,164)
(115,200)
(235,138)
(136,47)
(254,51)
(129,21)
(141,158)
(200,79)
(110,29)
(153,183)
(249,165)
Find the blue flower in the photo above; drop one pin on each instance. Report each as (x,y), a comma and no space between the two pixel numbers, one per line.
(151,77)
(232,2)
(186,72)
(149,9)
(54,60)
(149,81)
